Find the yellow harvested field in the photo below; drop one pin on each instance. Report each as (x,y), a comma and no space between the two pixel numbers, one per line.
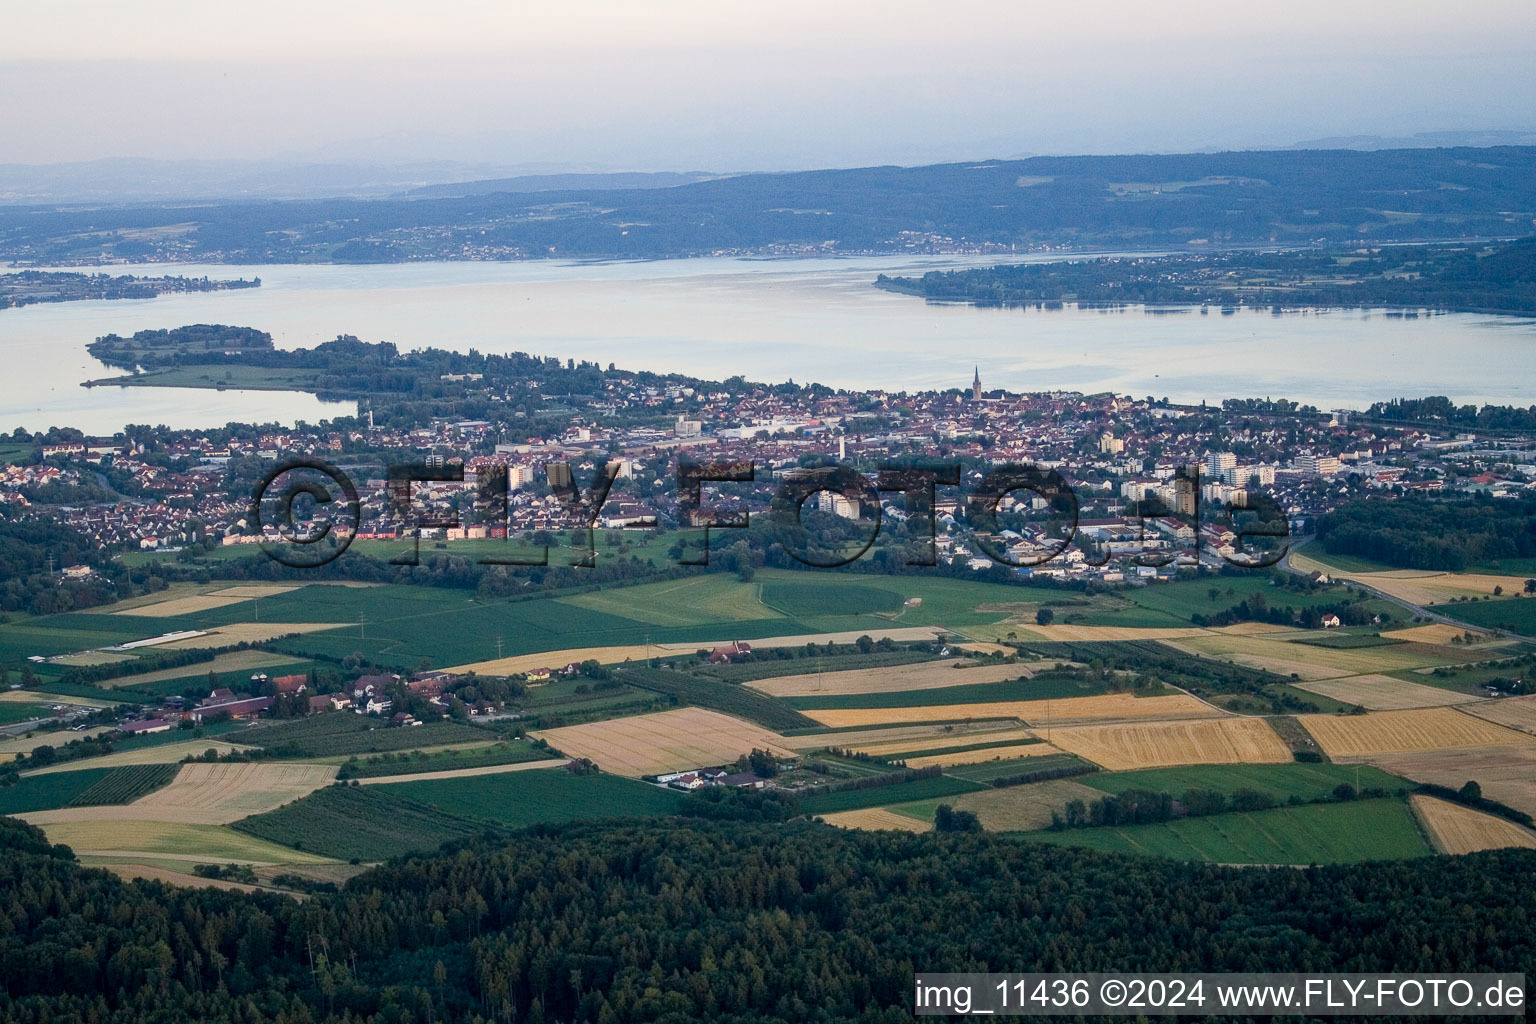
(1434,633)
(1085,633)
(1253,628)
(1036,712)
(1389,732)
(1285,656)
(670,741)
(247,632)
(1457,829)
(927,675)
(205,844)
(952,734)
(1506,774)
(1129,746)
(464,773)
(1021,808)
(86,659)
(1001,737)
(1384,693)
(639,652)
(216,794)
(1423,588)
(9,748)
(874,819)
(234,661)
(194,603)
(151,873)
(1515,712)
(985,754)
(34,697)
(165,753)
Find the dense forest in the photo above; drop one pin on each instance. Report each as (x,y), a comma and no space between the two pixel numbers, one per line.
(690,920)
(1143,202)
(1417,533)
(1492,279)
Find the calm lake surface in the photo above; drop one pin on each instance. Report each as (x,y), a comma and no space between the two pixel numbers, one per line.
(807,320)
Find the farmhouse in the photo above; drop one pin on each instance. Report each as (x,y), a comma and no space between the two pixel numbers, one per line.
(289,685)
(223,702)
(731,650)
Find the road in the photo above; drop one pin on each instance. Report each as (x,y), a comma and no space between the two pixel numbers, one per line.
(1417,610)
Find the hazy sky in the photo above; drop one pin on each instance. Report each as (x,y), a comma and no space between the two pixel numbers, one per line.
(727,85)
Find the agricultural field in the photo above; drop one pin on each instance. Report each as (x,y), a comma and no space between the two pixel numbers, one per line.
(13,712)
(191,604)
(450,759)
(1281,781)
(935,788)
(1506,774)
(336,733)
(10,747)
(1045,686)
(465,773)
(875,819)
(1395,732)
(243,662)
(1515,712)
(1092,633)
(1331,833)
(519,799)
(944,743)
(46,792)
(406,622)
(369,823)
(1127,746)
(1071,709)
(821,664)
(218,794)
(706,600)
(1010,753)
(1010,809)
(925,675)
(1518,615)
(664,742)
(1378,692)
(202,844)
(1457,829)
(1182,599)
(125,785)
(1433,633)
(1282,656)
(726,698)
(1038,766)
(156,753)
(952,734)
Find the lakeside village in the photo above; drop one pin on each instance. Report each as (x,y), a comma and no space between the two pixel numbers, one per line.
(1128,461)
(189,491)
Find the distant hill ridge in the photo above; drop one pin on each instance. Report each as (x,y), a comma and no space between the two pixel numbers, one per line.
(1299,197)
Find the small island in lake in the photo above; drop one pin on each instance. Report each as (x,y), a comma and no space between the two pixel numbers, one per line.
(1496,278)
(25,287)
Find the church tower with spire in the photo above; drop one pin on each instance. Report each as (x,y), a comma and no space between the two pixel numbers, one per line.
(976,386)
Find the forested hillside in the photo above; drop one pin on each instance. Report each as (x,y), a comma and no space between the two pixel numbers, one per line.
(687,921)
(1143,202)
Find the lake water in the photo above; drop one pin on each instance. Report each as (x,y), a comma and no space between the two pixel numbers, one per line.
(807,320)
